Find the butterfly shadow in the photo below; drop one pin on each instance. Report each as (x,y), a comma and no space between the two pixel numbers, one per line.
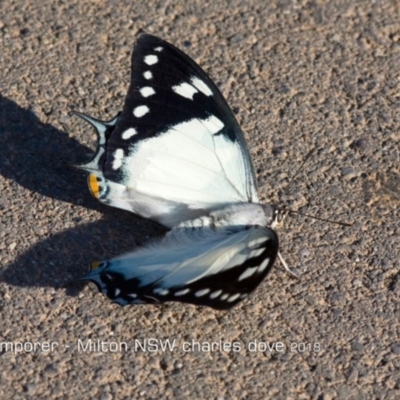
(30,156)
(32,153)
(61,259)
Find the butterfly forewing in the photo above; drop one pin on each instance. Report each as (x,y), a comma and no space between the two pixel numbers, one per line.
(176,144)
(168,89)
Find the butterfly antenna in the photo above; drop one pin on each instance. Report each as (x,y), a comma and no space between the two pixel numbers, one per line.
(318,218)
(287,211)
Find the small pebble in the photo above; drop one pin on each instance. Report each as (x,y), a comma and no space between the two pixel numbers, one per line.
(361,144)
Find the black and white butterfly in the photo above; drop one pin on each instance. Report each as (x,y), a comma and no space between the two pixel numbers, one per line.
(176,155)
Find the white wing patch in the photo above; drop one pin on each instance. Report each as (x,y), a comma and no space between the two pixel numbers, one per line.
(263,265)
(199,84)
(151,59)
(129,133)
(185,90)
(140,111)
(215,294)
(147,75)
(247,273)
(189,163)
(181,292)
(118,157)
(202,292)
(147,91)
(233,297)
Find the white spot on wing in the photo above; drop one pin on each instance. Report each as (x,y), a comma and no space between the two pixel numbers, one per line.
(247,273)
(147,91)
(140,111)
(117,292)
(129,133)
(199,84)
(201,292)
(161,291)
(224,296)
(118,156)
(256,253)
(257,241)
(151,59)
(213,295)
(159,48)
(182,292)
(147,74)
(233,297)
(132,295)
(185,90)
(263,265)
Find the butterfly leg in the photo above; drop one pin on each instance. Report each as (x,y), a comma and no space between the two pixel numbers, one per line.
(286,266)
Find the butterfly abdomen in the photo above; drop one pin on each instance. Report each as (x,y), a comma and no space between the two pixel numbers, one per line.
(235,215)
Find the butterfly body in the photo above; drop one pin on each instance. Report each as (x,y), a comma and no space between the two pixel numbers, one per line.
(176,155)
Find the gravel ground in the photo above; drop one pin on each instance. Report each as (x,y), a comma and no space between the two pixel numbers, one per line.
(299,75)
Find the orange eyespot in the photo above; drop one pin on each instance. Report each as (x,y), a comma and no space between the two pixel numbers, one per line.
(94,185)
(94,265)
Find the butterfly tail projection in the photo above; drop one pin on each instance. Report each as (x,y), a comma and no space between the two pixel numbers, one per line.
(94,167)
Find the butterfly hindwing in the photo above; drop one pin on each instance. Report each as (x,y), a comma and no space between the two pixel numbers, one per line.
(199,266)
(176,149)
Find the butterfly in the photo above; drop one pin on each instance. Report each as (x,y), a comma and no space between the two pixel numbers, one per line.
(176,155)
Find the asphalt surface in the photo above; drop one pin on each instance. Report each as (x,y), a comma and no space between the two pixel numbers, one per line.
(300,76)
